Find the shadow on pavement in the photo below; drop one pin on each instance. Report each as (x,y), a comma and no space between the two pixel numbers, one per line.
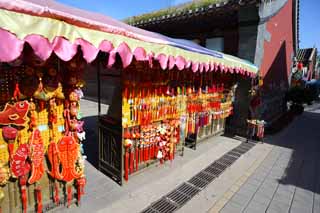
(302,137)
(91,145)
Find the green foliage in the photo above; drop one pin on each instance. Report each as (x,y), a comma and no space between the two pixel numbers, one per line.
(295,95)
(171,10)
(299,95)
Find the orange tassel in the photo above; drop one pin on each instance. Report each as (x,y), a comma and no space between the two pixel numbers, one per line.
(69,194)
(81,182)
(56,193)
(39,199)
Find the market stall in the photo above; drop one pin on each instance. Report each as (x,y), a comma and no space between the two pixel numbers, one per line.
(158,112)
(161,82)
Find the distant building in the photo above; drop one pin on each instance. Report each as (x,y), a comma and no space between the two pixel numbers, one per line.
(264,32)
(308,57)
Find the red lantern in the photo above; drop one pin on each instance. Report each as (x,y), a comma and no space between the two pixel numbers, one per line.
(300,66)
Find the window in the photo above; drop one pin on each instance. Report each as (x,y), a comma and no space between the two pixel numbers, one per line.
(215,44)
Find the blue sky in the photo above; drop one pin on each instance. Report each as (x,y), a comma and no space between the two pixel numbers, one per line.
(120,9)
(309,23)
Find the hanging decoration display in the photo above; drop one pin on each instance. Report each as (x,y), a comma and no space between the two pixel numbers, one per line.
(41,127)
(162,108)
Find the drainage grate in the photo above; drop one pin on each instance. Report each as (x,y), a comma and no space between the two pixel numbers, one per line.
(197,182)
(249,144)
(244,148)
(234,154)
(149,210)
(230,157)
(219,166)
(205,176)
(239,150)
(163,205)
(183,193)
(213,170)
(225,161)
(177,197)
(188,189)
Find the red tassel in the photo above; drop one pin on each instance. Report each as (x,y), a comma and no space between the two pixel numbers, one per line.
(81,182)
(145,153)
(56,193)
(69,194)
(131,162)
(148,152)
(16,93)
(140,154)
(39,199)
(151,153)
(174,151)
(23,182)
(24,198)
(156,150)
(126,165)
(10,148)
(137,158)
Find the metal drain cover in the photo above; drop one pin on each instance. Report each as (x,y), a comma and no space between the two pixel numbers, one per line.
(219,166)
(183,193)
(205,176)
(197,182)
(188,189)
(213,170)
(178,197)
(249,144)
(244,148)
(225,161)
(163,205)
(234,154)
(149,210)
(239,150)
(230,157)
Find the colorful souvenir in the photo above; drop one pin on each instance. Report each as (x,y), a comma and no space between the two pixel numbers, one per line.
(54,172)
(15,114)
(36,156)
(20,167)
(10,134)
(41,94)
(68,154)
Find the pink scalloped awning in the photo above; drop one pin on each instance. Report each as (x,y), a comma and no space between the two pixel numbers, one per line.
(11,44)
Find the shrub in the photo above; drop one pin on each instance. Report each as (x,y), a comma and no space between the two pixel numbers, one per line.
(296,95)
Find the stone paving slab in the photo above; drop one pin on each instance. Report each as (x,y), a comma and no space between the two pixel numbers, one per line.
(104,195)
(288,179)
(222,187)
(278,178)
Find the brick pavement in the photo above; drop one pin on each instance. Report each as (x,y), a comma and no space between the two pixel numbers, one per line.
(288,179)
(279,176)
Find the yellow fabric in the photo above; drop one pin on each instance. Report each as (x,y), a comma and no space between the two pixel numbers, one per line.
(23,24)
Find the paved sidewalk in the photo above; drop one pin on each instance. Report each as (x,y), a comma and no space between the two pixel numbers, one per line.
(288,179)
(104,195)
(278,176)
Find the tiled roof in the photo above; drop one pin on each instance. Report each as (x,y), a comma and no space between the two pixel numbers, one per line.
(189,8)
(304,55)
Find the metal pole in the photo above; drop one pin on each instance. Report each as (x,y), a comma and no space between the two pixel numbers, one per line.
(99,87)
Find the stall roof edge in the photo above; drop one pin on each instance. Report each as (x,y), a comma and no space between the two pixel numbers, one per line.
(94,21)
